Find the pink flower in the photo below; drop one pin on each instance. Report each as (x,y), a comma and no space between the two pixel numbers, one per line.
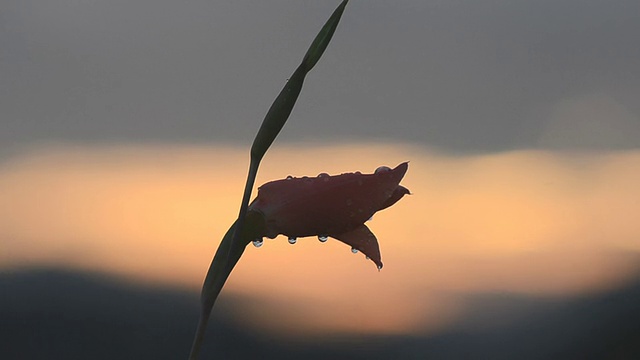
(329,206)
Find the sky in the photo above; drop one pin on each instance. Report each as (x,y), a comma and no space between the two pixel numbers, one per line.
(125,128)
(460,76)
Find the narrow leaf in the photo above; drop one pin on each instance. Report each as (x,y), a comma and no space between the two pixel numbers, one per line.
(226,257)
(283,105)
(321,41)
(278,114)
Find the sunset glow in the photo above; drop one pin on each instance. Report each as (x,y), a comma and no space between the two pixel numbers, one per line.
(531,222)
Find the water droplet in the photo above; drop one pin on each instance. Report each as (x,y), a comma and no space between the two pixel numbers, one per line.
(323,238)
(382,169)
(371,218)
(289,177)
(368,258)
(292,240)
(258,242)
(354,250)
(322,175)
(379,267)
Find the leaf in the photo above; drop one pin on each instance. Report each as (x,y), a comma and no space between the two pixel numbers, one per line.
(283,105)
(225,259)
(323,38)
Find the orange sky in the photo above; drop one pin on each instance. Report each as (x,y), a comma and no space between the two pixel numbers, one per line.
(537,223)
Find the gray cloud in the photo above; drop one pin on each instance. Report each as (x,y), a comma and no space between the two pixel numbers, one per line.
(457,75)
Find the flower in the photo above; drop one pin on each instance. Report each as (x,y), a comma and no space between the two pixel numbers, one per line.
(329,206)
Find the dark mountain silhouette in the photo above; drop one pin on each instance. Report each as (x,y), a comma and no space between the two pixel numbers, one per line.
(55,314)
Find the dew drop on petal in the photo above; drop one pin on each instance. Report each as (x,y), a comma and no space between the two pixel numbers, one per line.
(368,258)
(382,169)
(354,250)
(322,175)
(258,242)
(323,238)
(371,218)
(289,177)
(379,267)
(292,240)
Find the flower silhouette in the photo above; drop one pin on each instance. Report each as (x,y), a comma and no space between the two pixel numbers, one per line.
(329,206)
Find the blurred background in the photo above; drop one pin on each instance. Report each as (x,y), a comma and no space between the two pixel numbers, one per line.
(124,136)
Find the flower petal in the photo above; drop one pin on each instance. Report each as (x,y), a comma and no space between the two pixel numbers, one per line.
(362,239)
(300,207)
(398,193)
